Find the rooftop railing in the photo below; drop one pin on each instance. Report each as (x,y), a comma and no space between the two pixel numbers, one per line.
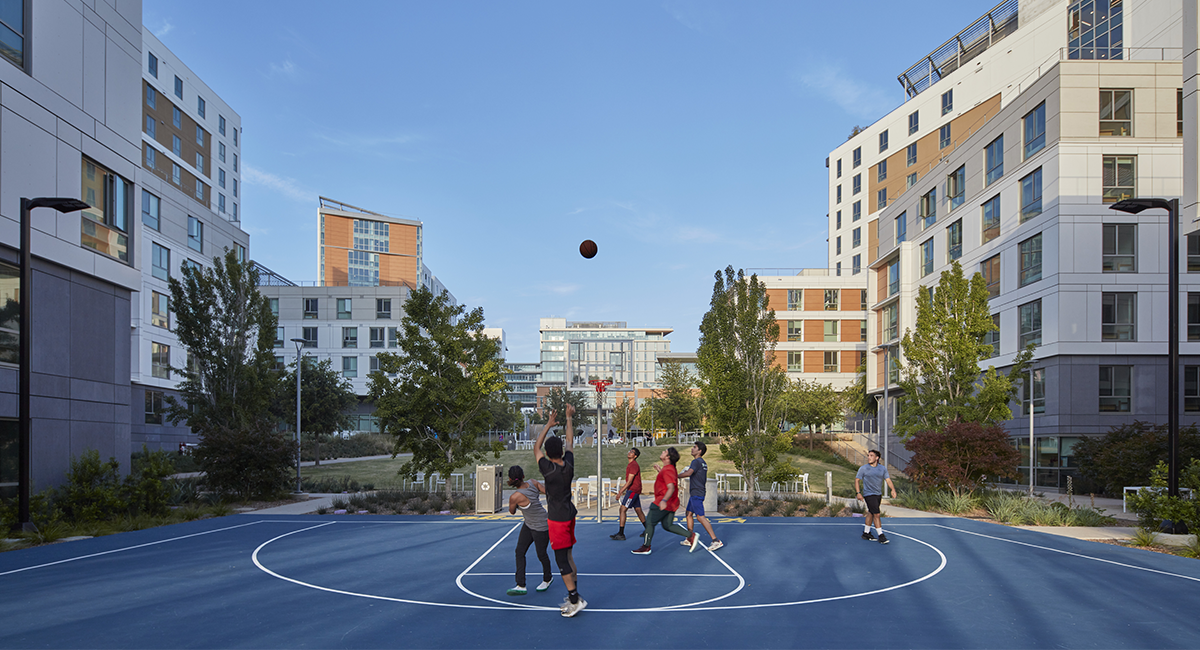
(982,34)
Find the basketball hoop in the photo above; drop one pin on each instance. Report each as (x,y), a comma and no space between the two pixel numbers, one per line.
(600,384)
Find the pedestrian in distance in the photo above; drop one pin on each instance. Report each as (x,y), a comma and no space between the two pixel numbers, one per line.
(557,464)
(535,530)
(630,491)
(869,486)
(666,501)
(697,476)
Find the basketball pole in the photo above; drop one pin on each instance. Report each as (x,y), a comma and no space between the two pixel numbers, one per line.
(600,384)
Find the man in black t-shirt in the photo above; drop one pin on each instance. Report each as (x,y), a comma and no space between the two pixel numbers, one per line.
(558,469)
(697,474)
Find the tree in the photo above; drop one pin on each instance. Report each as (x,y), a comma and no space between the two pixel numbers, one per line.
(229,384)
(446,374)
(740,382)
(625,415)
(505,415)
(1128,453)
(811,404)
(959,456)
(855,396)
(326,398)
(557,401)
(940,377)
(675,402)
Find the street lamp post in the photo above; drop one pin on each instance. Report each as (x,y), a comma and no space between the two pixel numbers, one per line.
(24,444)
(299,358)
(887,379)
(1134,206)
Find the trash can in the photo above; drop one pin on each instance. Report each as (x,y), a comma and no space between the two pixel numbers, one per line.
(710,497)
(489,488)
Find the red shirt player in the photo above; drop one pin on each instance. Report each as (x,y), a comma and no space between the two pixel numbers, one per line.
(666,501)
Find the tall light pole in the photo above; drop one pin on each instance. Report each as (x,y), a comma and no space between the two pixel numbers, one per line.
(1134,206)
(887,379)
(299,358)
(1031,454)
(24,444)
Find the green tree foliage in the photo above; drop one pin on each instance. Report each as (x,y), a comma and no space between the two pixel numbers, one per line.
(1155,505)
(940,375)
(557,400)
(229,387)
(739,380)
(447,373)
(958,456)
(625,415)
(326,399)
(811,404)
(1128,453)
(675,402)
(505,415)
(855,397)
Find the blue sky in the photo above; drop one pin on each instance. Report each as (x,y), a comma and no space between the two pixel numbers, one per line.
(681,136)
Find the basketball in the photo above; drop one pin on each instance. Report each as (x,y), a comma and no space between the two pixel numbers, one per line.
(588,249)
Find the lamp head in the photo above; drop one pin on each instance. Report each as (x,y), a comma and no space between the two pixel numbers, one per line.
(1134,206)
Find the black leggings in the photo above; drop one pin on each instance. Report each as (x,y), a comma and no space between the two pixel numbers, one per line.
(540,539)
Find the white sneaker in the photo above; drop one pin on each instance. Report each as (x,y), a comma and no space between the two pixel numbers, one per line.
(716,545)
(685,542)
(545,585)
(572,609)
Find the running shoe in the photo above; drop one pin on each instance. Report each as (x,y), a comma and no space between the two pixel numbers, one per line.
(572,609)
(518,590)
(566,604)
(686,542)
(545,584)
(620,537)
(869,537)
(883,538)
(642,550)
(715,545)
(695,542)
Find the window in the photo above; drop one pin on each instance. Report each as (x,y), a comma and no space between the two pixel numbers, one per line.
(881,171)
(150,206)
(151,157)
(992,338)
(839,168)
(1031,195)
(221,151)
(795,330)
(195,234)
(831,361)
(179,87)
(994,161)
(856,184)
(220,202)
(310,308)
(151,97)
(200,162)
(881,199)
(839,269)
(991,219)
(990,269)
(383,308)
(956,187)
(274,303)
(176,145)
(856,211)
(1030,258)
(343,308)
(235,214)
(838,194)
(954,240)
(856,235)
(110,207)
(279,337)
(1191,388)
(154,403)
(241,253)
(1038,384)
(160,262)
(159,310)
(862,304)
(1115,389)
(902,227)
(151,127)
(199,136)
(393,336)
(947,101)
(151,63)
(910,155)
(839,220)
(310,337)
(862,331)
(1193,253)
(221,177)
(856,264)
(838,246)
(221,124)
(373,364)
(831,331)
(235,137)
(200,106)
(160,360)
(831,300)
(1035,130)
(910,180)
(1118,316)
(857,156)
(1094,32)
(927,257)
(1179,113)
(349,366)
(1193,316)
(189,264)
(914,122)
(1116,112)
(795,360)
(199,190)
(891,323)
(175,174)
(795,299)
(944,136)
(894,278)
(1119,248)
(1030,317)
(928,208)
(883,141)
(349,337)
(1120,177)
(235,187)
(176,117)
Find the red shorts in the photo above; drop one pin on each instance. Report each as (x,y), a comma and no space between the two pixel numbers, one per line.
(562,534)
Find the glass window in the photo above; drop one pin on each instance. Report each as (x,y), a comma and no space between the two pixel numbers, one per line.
(990,269)
(310,307)
(151,157)
(199,136)
(927,257)
(176,118)
(151,127)
(152,64)
(235,187)
(795,360)
(954,240)
(200,106)
(349,366)
(176,174)
(881,170)
(795,299)
(910,155)
(831,331)
(992,338)
(1030,317)
(393,336)
(944,136)
(160,360)
(856,235)
(914,122)
(862,302)
(1179,113)
(881,199)
(831,361)
(235,163)
(349,337)
(991,219)
(1118,316)
(1115,389)
(199,190)
(279,337)
(383,308)
(221,151)
(857,156)
(856,211)
(235,137)
(956,186)
(1120,178)
(994,160)
(891,322)
(839,220)
(195,234)
(220,202)
(856,184)
(150,206)
(839,168)
(159,310)
(1094,30)
(1193,253)
(795,330)
(221,177)
(837,245)
(179,87)
(310,337)
(856,264)
(274,303)
(947,101)
(1116,112)
(910,180)
(1119,248)
(200,162)
(343,308)
(110,207)
(831,299)
(1193,316)
(176,145)
(883,141)
(154,404)
(1035,130)
(1039,391)
(151,97)
(894,278)
(838,194)
(1030,260)
(902,227)
(221,124)
(1191,388)
(928,208)
(160,262)
(1031,195)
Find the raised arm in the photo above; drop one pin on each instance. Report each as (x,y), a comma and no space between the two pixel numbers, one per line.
(537,447)
(569,443)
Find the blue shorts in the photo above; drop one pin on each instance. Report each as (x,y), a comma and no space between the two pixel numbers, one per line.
(631,500)
(696,506)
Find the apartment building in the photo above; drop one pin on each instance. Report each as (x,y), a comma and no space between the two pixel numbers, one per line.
(189,196)
(574,352)
(69,93)
(523,380)
(1017,137)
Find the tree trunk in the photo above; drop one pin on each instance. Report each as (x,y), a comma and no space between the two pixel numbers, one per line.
(317,441)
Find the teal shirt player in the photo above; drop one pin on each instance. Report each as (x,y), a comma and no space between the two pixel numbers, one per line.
(872,479)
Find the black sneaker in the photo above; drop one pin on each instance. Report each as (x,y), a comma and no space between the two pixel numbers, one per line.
(883,538)
(620,537)
(869,537)
(642,550)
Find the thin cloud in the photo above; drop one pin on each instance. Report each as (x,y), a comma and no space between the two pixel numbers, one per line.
(163,29)
(561,289)
(359,142)
(286,70)
(863,101)
(288,187)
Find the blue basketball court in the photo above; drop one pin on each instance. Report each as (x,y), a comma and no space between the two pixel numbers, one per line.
(258,581)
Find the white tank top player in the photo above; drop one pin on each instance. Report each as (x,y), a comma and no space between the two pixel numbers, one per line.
(533,511)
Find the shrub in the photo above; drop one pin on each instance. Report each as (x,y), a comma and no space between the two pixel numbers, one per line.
(93,489)
(1127,454)
(960,455)
(353,446)
(821,452)
(956,503)
(1144,537)
(1154,505)
(835,508)
(246,463)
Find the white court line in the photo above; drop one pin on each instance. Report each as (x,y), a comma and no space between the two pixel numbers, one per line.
(127,548)
(629,575)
